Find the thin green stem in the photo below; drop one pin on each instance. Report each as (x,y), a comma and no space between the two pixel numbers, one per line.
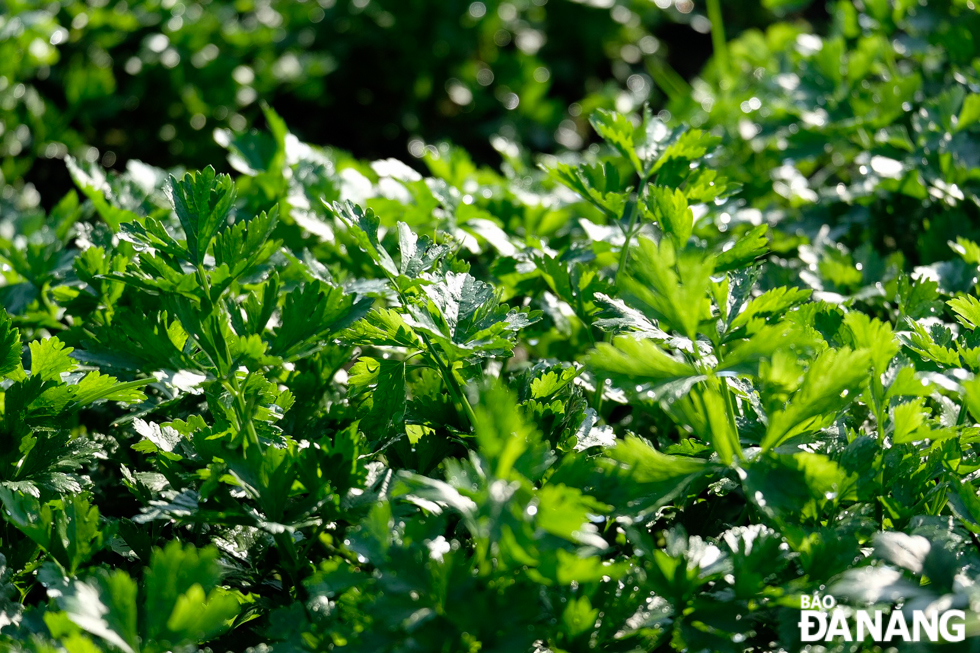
(203,277)
(580,314)
(597,397)
(879,409)
(241,409)
(454,388)
(669,80)
(631,214)
(459,398)
(230,384)
(718,40)
(730,406)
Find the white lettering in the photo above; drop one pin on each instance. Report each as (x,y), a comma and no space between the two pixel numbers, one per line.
(957,634)
(822,620)
(931,625)
(838,627)
(809,619)
(868,627)
(897,627)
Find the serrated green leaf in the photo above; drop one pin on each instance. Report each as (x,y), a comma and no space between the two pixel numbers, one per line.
(247,243)
(183,601)
(968,250)
(105,606)
(95,387)
(465,318)
(379,389)
(311,314)
(617,130)
(922,342)
(598,184)
(639,361)
(669,208)
(10,347)
(790,486)
(967,310)
(564,512)
(771,302)
(363,226)
(833,380)
(504,437)
(654,478)
(672,287)
(906,420)
(202,202)
(417,254)
(743,250)
(92,181)
(875,336)
(50,359)
(383,327)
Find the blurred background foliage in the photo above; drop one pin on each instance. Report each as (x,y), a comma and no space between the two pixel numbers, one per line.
(861,134)
(112,80)
(850,128)
(847,118)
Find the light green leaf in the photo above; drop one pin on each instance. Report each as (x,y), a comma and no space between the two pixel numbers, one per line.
(970,113)
(564,512)
(95,387)
(417,254)
(907,418)
(721,431)
(771,302)
(383,327)
(688,146)
(105,606)
(313,313)
(202,201)
(92,181)
(834,379)
(503,437)
(924,343)
(875,336)
(905,384)
(50,358)
(743,250)
(465,318)
(968,250)
(673,287)
(617,130)
(378,388)
(669,208)
(184,604)
(579,617)
(971,397)
(10,347)
(247,244)
(639,361)
(967,309)
(650,479)
(597,184)
(363,227)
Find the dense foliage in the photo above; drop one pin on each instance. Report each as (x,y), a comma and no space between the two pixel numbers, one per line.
(636,397)
(112,80)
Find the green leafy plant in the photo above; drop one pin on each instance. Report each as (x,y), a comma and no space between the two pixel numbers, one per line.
(643,397)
